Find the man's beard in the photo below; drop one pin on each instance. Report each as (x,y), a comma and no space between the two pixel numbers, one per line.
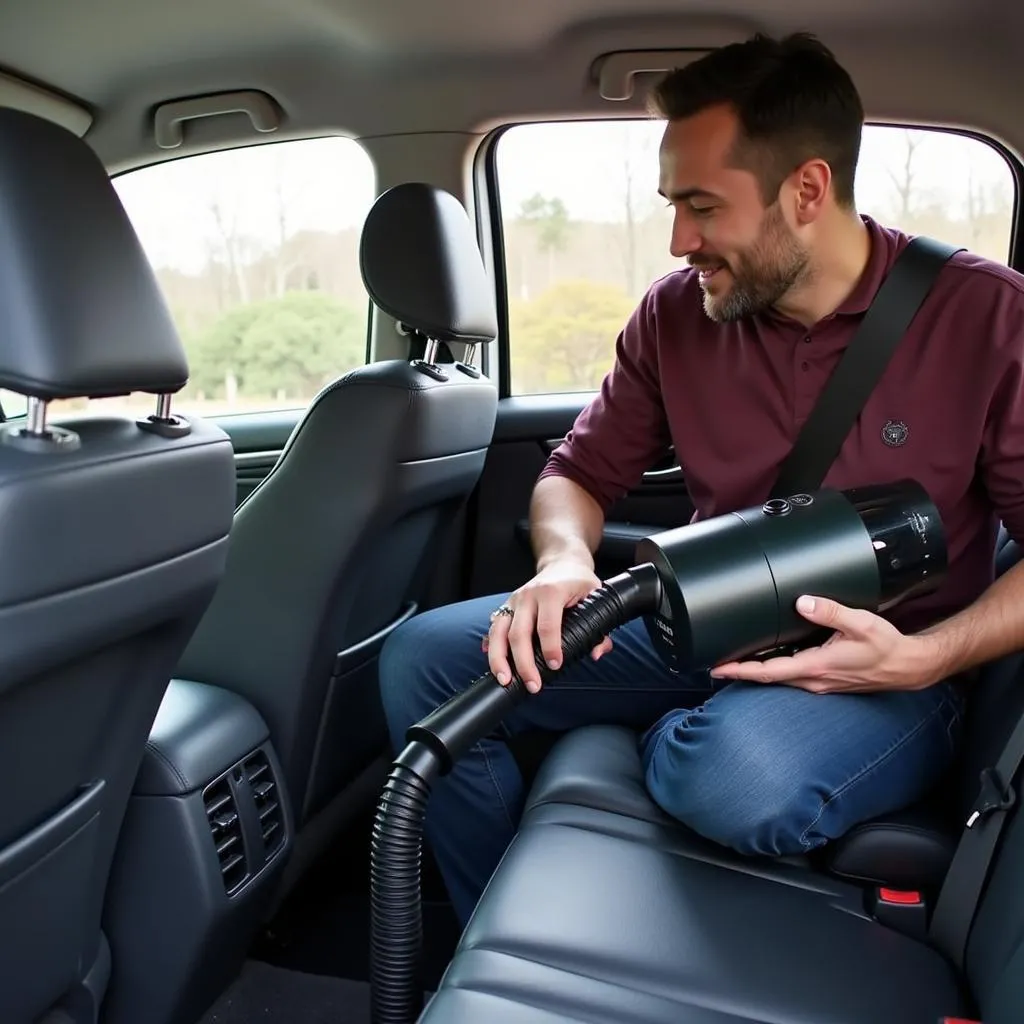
(762,274)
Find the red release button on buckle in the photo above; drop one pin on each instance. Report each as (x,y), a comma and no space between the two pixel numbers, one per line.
(904,896)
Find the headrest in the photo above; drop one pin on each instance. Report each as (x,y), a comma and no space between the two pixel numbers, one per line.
(421,265)
(81,313)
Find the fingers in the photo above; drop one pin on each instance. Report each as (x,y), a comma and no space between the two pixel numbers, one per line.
(520,641)
(509,642)
(549,631)
(823,611)
(536,621)
(496,646)
(805,665)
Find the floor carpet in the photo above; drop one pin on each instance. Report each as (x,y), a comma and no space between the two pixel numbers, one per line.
(265,994)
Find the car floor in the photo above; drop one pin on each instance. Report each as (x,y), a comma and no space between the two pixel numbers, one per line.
(311,965)
(274,995)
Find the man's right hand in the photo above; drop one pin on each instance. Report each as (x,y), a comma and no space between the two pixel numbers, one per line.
(537,611)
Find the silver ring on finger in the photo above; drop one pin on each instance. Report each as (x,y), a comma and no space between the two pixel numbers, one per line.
(505,609)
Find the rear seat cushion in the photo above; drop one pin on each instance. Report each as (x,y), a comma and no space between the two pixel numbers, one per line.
(598,767)
(623,916)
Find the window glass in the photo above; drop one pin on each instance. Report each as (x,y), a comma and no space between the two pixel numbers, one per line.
(256,251)
(585,232)
(12,404)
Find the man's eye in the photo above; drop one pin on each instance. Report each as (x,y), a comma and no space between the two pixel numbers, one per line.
(702,211)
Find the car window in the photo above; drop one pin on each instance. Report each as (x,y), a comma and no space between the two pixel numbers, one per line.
(585,233)
(256,251)
(12,404)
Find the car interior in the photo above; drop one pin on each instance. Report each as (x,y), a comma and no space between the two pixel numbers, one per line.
(295,301)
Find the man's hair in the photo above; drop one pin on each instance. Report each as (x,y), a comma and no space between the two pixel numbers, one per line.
(794,102)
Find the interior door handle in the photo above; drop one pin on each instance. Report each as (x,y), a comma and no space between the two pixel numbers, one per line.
(671,475)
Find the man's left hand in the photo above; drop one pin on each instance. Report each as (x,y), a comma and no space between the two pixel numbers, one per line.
(865,653)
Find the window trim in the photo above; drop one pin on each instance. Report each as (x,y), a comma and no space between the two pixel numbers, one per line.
(487,176)
(492,237)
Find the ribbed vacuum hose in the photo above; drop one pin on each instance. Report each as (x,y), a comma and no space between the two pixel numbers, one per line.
(396,924)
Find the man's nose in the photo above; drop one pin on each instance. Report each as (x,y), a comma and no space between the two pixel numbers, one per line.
(686,239)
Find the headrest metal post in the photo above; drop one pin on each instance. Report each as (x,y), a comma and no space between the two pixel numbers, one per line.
(164,422)
(35,420)
(36,434)
(163,407)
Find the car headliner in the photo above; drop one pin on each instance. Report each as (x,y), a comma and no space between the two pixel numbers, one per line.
(373,67)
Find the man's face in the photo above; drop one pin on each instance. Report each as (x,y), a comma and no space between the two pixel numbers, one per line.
(747,254)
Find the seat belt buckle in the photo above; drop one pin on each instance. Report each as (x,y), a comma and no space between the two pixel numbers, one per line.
(902,910)
(994,795)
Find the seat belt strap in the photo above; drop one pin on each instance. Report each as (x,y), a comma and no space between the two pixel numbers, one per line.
(868,353)
(961,890)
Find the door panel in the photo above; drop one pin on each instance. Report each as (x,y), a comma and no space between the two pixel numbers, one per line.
(527,429)
(258,439)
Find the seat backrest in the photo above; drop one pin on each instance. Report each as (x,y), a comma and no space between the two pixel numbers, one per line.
(113,536)
(339,542)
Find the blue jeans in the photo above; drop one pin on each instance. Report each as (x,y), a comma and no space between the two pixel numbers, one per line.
(769,770)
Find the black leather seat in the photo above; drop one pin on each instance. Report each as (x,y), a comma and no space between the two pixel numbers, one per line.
(113,536)
(336,547)
(605,909)
(615,913)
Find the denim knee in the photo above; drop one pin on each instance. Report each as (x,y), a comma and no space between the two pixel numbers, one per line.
(427,660)
(706,778)
(405,678)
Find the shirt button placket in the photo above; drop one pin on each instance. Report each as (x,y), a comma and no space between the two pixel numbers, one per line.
(803,401)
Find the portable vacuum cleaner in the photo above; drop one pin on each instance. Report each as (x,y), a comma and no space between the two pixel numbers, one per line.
(710,592)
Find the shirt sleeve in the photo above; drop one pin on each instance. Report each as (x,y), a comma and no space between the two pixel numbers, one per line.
(1002,450)
(624,429)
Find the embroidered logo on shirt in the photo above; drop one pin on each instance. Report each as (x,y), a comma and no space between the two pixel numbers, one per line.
(895,433)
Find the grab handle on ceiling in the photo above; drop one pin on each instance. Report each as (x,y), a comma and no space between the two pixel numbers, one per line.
(616,71)
(171,116)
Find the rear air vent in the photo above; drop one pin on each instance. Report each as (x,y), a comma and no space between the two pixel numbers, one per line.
(268,804)
(226,829)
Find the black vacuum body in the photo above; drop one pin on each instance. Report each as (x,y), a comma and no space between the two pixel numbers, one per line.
(729,585)
(709,592)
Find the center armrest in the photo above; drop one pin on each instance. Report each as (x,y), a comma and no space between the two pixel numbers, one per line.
(909,849)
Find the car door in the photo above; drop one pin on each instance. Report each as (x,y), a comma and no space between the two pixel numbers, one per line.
(527,429)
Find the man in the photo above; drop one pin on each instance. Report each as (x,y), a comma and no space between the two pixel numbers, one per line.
(724,360)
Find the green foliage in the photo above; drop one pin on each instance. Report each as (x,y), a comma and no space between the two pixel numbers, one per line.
(565,338)
(551,219)
(290,346)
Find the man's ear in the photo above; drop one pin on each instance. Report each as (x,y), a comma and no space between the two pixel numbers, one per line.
(811,183)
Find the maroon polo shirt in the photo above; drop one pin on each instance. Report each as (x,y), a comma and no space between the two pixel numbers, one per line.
(732,397)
